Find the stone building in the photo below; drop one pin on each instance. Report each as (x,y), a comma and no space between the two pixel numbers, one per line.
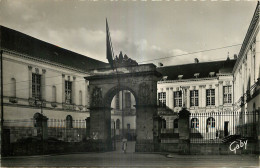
(246,74)
(46,95)
(43,86)
(223,97)
(202,88)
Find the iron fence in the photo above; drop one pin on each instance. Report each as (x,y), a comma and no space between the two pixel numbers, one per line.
(218,127)
(72,131)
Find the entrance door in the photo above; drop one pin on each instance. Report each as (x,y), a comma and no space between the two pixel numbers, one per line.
(226,128)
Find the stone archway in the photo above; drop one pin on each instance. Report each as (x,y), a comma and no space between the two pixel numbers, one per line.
(141,81)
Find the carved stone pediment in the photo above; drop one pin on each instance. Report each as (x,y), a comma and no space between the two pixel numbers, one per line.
(123,61)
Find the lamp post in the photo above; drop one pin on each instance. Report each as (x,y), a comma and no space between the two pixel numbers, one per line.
(42,118)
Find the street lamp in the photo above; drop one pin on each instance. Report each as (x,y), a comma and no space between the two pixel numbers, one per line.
(43,119)
(39,102)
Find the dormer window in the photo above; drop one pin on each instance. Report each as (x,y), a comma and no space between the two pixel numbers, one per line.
(164,78)
(180,76)
(211,74)
(196,75)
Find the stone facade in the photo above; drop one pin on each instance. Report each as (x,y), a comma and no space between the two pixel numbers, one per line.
(144,91)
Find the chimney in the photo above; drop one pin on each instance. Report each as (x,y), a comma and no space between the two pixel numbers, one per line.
(235,56)
(196,60)
(160,64)
(196,75)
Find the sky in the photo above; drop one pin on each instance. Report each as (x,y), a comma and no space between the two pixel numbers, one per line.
(146,31)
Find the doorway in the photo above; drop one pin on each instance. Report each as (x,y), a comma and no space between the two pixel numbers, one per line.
(226,123)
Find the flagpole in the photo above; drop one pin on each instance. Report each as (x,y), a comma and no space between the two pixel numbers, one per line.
(114,63)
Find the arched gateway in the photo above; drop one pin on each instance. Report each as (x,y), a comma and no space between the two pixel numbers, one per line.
(104,84)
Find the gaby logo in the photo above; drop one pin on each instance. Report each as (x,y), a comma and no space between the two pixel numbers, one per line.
(237,144)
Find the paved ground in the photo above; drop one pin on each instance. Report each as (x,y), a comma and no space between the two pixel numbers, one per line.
(130,159)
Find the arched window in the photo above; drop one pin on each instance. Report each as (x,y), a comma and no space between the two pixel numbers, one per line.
(13,88)
(69,121)
(53,93)
(194,123)
(175,123)
(80,97)
(117,124)
(210,122)
(163,124)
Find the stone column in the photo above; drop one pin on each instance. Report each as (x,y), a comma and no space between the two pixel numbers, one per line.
(43,83)
(74,90)
(30,80)
(144,128)
(171,98)
(100,130)
(63,88)
(184,132)
(167,97)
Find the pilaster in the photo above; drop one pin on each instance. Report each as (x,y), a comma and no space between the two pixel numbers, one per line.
(74,90)
(43,83)
(167,97)
(171,98)
(63,88)
(30,80)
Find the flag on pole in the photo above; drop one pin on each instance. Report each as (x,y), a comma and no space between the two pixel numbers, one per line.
(110,53)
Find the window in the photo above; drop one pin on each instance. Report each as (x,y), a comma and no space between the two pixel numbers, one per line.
(175,123)
(127,100)
(177,99)
(13,87)
(53,93)
(36,86)
(194,123)
(210,122)
(80,97)
(210,94)
(69,121)
(227,94)
(117,102)
(194,98)
(68,92)
(117,124)
(162,99)
(163,124)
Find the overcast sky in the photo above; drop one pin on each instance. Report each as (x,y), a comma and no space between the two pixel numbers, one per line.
(142,30)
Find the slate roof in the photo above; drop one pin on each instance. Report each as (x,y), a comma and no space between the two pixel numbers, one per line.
(204,68)
(21,43)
